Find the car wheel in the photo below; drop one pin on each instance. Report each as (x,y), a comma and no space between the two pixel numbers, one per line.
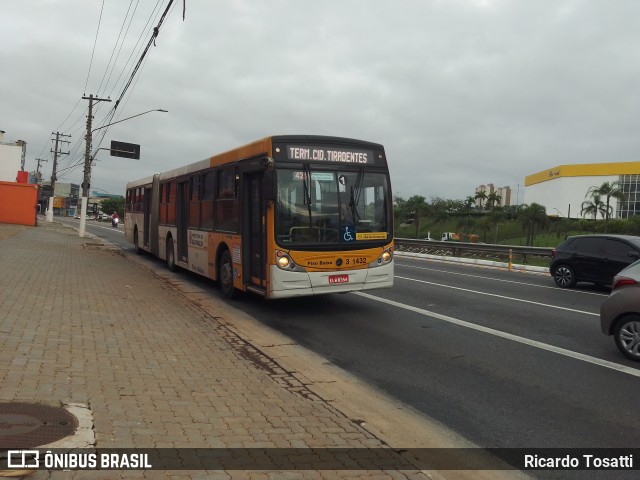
(627,336)
(171,256)
(564,276)
(225,274)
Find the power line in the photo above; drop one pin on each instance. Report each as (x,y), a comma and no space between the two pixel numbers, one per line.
(94,46)
(135,47)
(152,40)
(116,46)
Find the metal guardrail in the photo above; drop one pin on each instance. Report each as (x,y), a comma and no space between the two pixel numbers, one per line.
(501,253)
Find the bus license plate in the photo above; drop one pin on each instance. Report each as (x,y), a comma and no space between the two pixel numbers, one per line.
(338,279)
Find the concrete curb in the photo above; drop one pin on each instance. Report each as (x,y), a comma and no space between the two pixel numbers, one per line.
(475,261)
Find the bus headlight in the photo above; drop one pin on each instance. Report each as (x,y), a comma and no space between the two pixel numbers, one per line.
(283,262)
(384,258)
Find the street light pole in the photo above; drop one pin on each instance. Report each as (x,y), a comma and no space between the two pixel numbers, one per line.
(88,158)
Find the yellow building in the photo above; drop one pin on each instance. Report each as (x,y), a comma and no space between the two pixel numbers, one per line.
(563,189)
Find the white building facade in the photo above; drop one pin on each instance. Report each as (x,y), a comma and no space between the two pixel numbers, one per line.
(11,159)
(563,189)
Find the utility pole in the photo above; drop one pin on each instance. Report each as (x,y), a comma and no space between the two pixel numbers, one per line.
(56,151)
(39,181)
(87,163)
(38,167)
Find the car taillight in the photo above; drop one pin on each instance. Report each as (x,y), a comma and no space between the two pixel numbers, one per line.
(623,281)
(554,252)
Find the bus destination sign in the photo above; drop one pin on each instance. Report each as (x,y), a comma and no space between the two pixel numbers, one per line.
(329,154)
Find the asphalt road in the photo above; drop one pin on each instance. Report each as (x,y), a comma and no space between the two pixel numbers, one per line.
(504,358)
(496,391)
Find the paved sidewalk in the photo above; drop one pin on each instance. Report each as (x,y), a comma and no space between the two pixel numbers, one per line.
(82,324)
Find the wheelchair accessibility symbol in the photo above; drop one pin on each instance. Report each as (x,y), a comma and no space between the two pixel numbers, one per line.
(349,233)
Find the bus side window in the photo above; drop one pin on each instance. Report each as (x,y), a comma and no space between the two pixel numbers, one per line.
(163,204)
(208,199)
(227,207)
(194,201)
(171,203)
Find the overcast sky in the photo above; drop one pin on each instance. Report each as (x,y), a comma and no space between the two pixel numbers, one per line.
(460,92)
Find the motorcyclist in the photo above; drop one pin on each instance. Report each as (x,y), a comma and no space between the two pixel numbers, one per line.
(114,219)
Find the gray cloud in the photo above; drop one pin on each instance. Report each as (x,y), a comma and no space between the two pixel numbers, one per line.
(460,92)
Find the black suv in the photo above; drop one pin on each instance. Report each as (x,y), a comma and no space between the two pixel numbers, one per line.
(592,258)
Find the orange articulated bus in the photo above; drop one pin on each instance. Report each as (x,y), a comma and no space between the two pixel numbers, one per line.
(283,216)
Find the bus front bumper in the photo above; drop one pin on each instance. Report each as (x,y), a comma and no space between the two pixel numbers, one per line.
(294,284)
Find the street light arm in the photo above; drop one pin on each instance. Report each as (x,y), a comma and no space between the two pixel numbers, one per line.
(88,158)
(129,118)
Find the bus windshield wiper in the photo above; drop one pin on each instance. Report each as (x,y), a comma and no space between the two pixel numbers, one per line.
(356,190)
(306,184)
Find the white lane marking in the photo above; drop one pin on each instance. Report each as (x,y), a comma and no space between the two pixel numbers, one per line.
(502,280)
(499,296)
(87,225)
(113,229)
(508,336)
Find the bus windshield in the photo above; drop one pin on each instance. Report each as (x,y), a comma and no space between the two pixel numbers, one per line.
(330,206)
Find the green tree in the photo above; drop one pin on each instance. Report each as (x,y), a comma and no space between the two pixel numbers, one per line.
(496,217)
(110,205)
(484,224)
(563,226)
(439,210)
(469,203)
(492,199)
(607,190)
(416,206)
(532,216)
(593,207)
(399,210)
(481,195)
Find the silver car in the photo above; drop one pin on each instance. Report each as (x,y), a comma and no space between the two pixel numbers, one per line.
(620,312)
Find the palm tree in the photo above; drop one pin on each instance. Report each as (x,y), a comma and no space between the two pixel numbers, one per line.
(531,216)
(608,190)
(593,207)
(481,195)
(492,199)
(469,202)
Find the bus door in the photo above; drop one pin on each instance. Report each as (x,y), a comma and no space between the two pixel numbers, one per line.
(147,214)
(254,234)
(182,220)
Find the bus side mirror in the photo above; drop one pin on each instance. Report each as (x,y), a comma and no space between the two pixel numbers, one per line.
(268,163)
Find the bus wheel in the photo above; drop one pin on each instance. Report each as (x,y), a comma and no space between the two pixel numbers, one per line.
(136,245)
(225,274)
(171,256)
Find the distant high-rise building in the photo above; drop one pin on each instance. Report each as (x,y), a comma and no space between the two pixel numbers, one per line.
(505,196)
(489,188)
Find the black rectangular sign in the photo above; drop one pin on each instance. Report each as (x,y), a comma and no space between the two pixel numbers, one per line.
(125,150)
